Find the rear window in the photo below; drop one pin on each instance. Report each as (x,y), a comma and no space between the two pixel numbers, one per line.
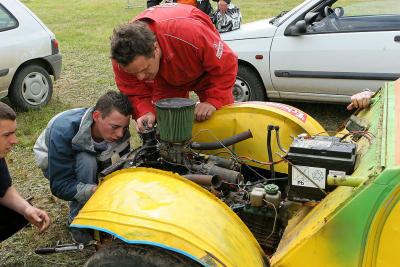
(7,20)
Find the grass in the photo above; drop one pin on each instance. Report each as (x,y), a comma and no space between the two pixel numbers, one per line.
(82,28)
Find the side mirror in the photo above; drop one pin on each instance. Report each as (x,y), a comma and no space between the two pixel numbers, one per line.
(297,29)
(339,11)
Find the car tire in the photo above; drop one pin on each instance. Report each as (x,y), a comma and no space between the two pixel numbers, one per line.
(248,86)
(31,88)
(119,253)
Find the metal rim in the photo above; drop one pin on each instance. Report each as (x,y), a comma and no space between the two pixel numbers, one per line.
(241,90)
(35,88)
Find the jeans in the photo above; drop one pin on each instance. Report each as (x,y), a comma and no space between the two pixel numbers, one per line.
(86,173)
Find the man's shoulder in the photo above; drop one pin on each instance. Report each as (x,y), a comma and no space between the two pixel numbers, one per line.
(72,114)
(172,13)
(69,118)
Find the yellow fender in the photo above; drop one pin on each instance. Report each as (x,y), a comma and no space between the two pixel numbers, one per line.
(149,206)
(256,116)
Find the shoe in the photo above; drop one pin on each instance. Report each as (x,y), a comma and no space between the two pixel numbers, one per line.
(81,235)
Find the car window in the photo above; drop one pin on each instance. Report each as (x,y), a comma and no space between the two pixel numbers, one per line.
(368,7)
(7,20)
(287,14)
(355,16)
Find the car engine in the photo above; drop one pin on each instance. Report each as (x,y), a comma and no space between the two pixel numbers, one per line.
(257,195)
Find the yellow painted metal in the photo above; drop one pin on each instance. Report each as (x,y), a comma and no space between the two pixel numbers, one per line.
(256,116)
(301,245)
(382,247)
(156,207)
(352,226)
(308,239)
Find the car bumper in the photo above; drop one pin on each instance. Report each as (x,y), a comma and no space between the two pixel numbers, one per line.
(55,62)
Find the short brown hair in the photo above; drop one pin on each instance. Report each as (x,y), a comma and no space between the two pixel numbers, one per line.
(7,113)
(131,40)
(113,100)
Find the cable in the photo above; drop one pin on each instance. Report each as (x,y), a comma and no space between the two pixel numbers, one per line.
(276,127)
(272,169)
(302,173)
(276,216)
(231,152)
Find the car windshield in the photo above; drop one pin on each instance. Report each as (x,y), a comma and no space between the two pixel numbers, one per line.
(286,14)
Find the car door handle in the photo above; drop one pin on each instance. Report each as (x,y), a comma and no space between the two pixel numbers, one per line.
(397,38)
(3,72)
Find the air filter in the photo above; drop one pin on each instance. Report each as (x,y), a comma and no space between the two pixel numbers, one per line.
(175,119)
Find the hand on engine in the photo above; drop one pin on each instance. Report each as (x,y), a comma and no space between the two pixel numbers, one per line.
(203,111)
(146,121)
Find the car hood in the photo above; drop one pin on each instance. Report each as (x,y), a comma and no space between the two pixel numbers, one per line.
(256,29)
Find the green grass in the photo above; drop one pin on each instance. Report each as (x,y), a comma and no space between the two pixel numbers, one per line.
(82,28)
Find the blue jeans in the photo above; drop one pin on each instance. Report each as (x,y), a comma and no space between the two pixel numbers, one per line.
(86,173)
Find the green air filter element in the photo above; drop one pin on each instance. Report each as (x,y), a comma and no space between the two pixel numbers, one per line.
(175,119)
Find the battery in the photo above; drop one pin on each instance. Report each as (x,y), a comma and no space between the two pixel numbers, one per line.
(317,156)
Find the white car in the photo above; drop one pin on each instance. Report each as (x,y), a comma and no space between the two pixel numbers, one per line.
(28,55)
(322,50)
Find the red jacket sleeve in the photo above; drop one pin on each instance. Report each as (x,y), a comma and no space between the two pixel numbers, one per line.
(138,93)
(220,63)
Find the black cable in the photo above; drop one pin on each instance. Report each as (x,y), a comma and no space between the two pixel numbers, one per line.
(270,128)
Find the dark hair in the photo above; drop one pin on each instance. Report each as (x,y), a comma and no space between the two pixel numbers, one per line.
(113,100)
(7,113)
(131,40)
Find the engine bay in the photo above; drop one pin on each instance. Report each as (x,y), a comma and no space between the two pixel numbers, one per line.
(264,199)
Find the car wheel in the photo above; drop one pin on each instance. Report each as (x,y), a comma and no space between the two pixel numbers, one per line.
(248,86)
(31,88)
(119,253)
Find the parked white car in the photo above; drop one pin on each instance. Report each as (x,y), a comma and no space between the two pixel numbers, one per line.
(322,50)
(28,55)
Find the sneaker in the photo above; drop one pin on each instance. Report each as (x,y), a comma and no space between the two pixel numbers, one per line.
(81,235)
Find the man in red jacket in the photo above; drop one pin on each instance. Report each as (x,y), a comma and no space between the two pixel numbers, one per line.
(167,51)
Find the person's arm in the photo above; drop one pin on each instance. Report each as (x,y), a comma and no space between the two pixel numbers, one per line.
(361,100)
(151,3)
(13,200)
(61,168)
(220,64)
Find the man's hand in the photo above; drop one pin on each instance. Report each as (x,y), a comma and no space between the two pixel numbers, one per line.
(37,217)
(203,111)
(146,121)
(222,6)
(360,100)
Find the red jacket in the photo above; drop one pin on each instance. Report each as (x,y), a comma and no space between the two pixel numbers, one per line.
(194,58)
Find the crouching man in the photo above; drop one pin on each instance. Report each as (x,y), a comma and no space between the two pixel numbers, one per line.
(77,144)
(15,212)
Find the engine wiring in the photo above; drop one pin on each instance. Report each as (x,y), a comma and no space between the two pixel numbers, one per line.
(276,216)
(236,157)
(258,182)
(367,135)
